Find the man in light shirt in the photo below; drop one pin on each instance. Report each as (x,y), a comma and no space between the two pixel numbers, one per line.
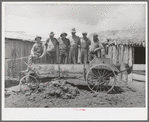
(74,44)
(52,48)
(36,51)
(95,47)
(85,43)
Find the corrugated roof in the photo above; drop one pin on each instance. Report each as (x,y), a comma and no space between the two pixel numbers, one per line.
(129,37)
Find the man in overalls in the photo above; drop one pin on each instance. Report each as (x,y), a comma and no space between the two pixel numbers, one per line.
(95,47)
(74,44)
(64,45)
(36,51)
(85,43)
(52,48)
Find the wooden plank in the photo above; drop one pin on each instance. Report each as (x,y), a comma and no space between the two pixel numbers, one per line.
(115,55)
(19,47)
(66,70)
(139,67)
(7,50)
(130,63)
(8,68)
(18,67)
(120,60)
(139,77)
(110,53)
(125,60)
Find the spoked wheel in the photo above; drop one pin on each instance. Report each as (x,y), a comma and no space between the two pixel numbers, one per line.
(101,78)
(28,83)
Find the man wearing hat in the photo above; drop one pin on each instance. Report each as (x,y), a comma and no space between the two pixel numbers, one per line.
(85,43)
(64,45)
(52,48)
(95,47)
(74,44)
(36,51)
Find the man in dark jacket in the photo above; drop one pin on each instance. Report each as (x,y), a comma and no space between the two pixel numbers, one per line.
(64,45)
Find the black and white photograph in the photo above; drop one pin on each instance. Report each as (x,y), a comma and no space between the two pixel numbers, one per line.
(74,57)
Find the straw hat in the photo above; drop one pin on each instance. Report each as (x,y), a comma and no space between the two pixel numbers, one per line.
(38,37)
(63,33)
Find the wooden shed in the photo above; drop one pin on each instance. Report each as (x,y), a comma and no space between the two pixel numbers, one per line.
(17,49)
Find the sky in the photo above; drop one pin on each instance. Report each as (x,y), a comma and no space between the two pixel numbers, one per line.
(41,19)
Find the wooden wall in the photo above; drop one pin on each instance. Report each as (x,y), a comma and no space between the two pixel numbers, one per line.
(14,63)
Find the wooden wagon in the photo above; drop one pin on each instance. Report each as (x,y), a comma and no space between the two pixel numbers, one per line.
(99,74)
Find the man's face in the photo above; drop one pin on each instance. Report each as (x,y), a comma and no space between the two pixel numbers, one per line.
(84,35)
(95,38)
(63,36)
(73,33)
(38,40)
(51,36)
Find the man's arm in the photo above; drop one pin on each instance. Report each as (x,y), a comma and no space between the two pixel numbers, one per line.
(99,48)
(32,50)
(44,50)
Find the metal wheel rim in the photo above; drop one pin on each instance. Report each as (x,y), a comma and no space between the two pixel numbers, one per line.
(27,85)
(101,65)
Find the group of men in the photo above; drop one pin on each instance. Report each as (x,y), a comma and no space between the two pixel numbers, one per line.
(66,48)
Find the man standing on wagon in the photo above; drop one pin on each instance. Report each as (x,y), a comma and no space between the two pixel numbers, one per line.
(64,45)
(95,47)
(52,48)
(85,43)
(74,44)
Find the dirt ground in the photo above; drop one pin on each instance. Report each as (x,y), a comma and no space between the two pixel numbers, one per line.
(132,96)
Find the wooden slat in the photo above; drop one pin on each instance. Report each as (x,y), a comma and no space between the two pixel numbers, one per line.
(130,63)
(67,70)
(110,53)
(125,60)
(139,67)
(139,77)
(115,55)
(120,60)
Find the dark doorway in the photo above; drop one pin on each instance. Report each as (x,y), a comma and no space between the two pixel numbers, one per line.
(139,55)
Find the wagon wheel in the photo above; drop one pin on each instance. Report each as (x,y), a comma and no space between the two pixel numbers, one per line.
(30,84)
(101,78)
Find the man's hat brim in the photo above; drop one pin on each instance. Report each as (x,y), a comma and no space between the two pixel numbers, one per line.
(38,37)
(63,33)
